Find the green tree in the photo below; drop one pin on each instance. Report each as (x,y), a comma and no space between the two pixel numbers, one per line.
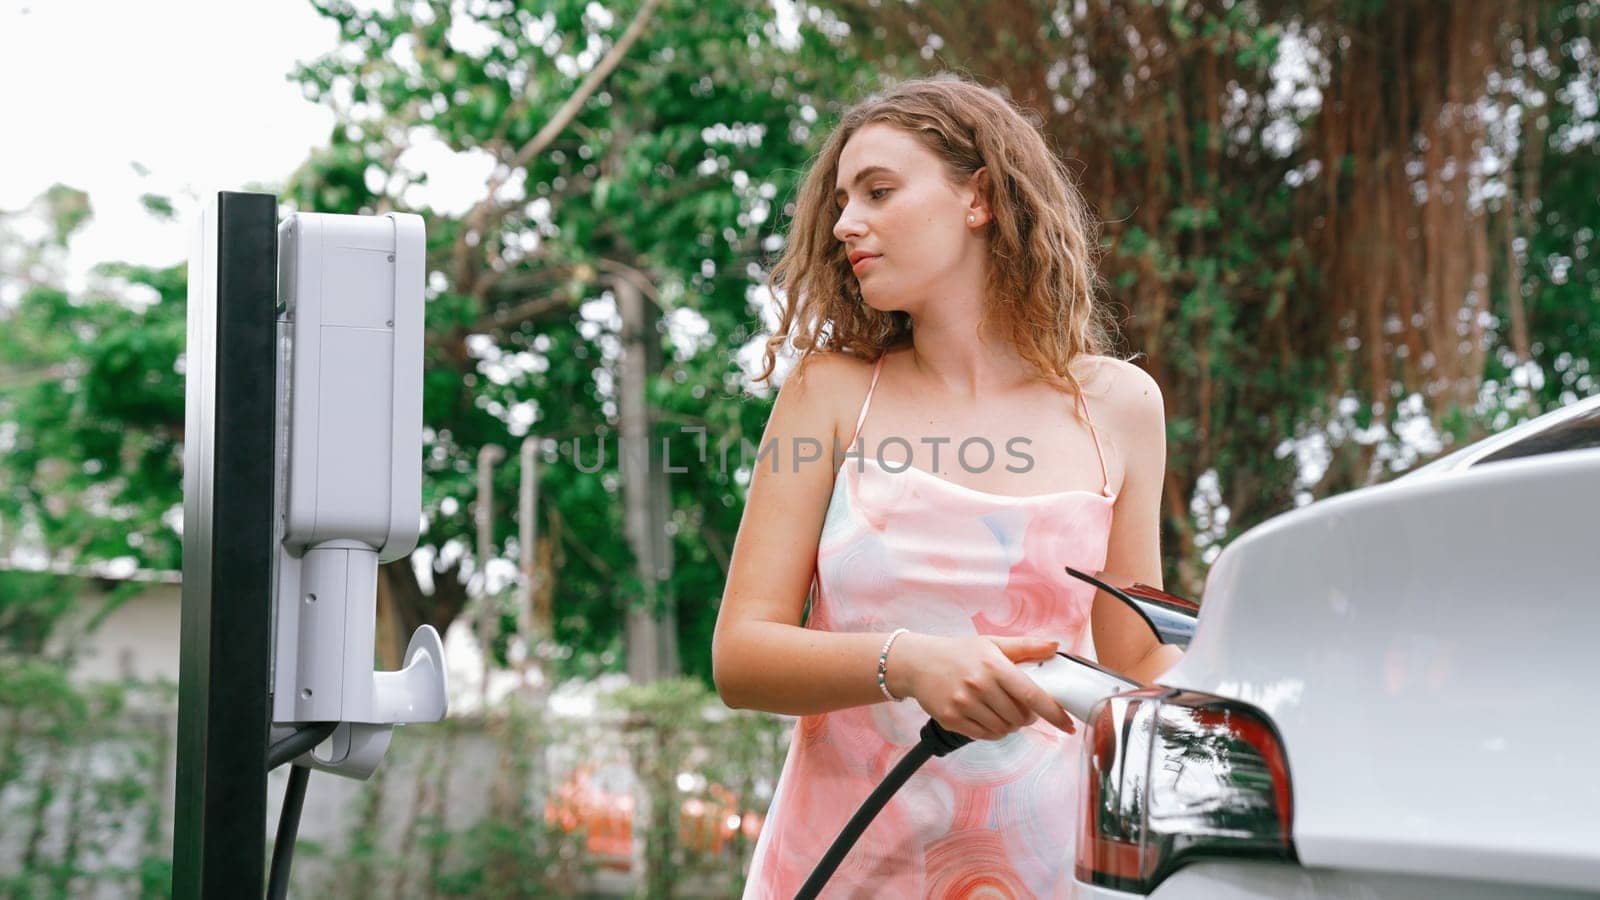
(1269,235)
(668,169)
(91,404)
(1324,221)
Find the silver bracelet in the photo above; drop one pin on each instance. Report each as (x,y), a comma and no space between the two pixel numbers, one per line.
(883,665)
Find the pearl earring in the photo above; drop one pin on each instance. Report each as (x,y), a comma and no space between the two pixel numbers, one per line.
(969,219)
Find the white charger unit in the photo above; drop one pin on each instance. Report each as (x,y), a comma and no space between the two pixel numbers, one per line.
(349,472)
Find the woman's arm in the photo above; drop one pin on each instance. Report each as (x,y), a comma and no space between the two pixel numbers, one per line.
(760,656)
(1137,420)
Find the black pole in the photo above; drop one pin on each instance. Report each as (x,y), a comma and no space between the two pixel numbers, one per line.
(220,814)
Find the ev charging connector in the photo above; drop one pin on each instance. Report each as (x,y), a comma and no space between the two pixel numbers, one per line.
(348,451)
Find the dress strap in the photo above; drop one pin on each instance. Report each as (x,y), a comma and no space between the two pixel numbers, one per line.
(862,418)
(1099,451)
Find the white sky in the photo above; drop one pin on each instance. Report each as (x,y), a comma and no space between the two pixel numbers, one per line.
(196,92)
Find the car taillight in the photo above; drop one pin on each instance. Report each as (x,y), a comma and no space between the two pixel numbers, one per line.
(1174,775)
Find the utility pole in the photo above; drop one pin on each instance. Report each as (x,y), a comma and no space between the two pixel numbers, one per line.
(652,634)
(532,617)
(488,456)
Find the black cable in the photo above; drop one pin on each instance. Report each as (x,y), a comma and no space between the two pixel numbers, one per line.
(298,743)
(294,799)
(936,741)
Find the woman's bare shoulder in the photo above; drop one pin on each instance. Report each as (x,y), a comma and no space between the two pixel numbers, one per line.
(832,372)
(830,380)
(1121,392)
(835,363)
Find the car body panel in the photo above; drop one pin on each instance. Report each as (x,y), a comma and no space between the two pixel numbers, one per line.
(1572,427)
(1224,880)
(1426,649)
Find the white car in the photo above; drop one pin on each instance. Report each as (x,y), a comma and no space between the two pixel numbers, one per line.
(1389,693)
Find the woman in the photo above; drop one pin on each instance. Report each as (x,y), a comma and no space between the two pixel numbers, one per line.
(940,289)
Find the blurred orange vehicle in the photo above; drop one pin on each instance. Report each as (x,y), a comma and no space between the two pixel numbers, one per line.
(599,800)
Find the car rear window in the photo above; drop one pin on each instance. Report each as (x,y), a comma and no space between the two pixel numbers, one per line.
(1576,433)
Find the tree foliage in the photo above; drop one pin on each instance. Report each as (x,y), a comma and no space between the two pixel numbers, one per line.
(91,399)
(1326,223)
(1329,227)
(670,174)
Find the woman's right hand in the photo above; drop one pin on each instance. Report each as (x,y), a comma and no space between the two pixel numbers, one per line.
(972,686)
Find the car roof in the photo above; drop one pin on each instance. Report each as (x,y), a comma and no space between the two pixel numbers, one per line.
(1572,427)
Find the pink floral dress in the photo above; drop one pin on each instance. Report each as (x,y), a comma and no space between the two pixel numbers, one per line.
(994,818)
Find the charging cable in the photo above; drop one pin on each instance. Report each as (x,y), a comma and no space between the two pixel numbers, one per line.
(936,740)
(294,799)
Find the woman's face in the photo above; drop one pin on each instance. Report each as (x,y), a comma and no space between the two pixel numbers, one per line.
(897,207)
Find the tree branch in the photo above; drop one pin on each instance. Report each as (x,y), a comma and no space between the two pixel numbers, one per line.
(502,319)
(591,83)
(480,212)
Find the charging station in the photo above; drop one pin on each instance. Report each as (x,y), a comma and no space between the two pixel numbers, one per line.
(302,473)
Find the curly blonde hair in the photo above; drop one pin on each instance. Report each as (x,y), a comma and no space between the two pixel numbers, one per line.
(1041,281)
